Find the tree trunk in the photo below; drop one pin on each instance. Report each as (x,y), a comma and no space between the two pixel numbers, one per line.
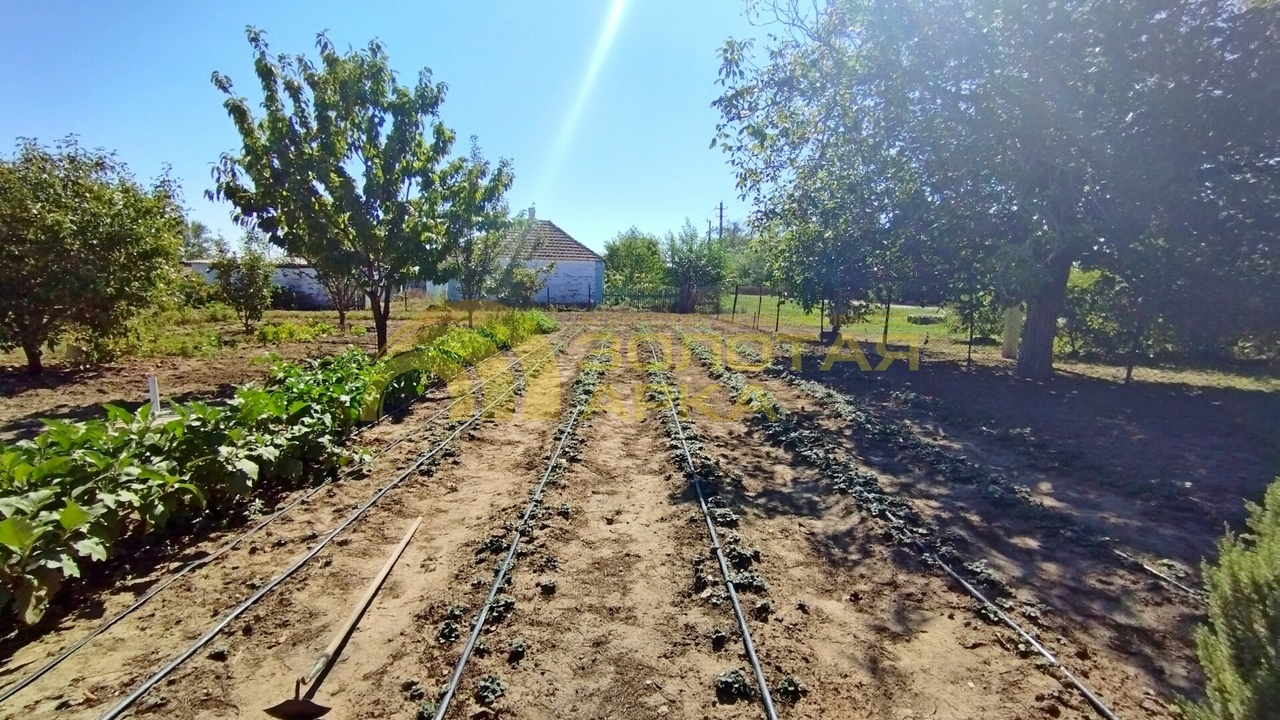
(885,338)
(342,319)
(380,311)
(34,364)
(1035,352)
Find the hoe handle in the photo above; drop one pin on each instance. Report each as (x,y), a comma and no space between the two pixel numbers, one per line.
(344,632)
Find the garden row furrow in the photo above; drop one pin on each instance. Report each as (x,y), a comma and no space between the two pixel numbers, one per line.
(958,468)
(567,438)
(362,465)
(905,526)
(687,454)
(246,567)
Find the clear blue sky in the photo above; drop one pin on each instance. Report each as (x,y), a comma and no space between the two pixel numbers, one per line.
(134,78)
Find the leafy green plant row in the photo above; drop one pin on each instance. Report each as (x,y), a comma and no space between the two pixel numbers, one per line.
(79,491)
(288,331)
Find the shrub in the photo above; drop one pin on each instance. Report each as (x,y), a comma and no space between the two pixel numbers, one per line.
(1239,648)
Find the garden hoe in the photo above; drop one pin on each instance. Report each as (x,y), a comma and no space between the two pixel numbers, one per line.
(304,708)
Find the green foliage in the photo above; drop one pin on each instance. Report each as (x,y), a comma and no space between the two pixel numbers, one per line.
(938,140)
(82,245)
(484,233)
(518,286)
(276,333)
(694,265)
(197,242)
(980,309)
(349,169)
(245,283)
(78,491)
(1240,647)
(633,261)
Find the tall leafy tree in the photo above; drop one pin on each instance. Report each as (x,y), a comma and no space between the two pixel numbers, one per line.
(633,261)
(347,167)
(694,265)
(483,231)
(83,245)
(1045,136)
(198,243)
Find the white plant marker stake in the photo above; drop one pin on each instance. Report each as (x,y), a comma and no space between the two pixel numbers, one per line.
(153,386)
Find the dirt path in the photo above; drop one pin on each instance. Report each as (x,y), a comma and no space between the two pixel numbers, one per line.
(278,638)
(621,635)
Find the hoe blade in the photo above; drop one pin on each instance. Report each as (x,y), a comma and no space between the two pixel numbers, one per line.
(297,709)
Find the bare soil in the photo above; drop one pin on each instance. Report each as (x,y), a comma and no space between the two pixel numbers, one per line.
(863,624)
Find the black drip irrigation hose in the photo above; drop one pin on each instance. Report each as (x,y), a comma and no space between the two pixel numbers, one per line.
(1109,543)
(747,643)
(1079,685)
(196,564)
(930,557)
(451,688)
(164,672)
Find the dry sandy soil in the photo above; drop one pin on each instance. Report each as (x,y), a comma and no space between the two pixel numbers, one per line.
(863,624)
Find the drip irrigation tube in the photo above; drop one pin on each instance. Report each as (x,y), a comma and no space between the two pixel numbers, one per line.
(196,564)
(451,688)
(747,644)
(164,672)
(1109,544)
(1079,685)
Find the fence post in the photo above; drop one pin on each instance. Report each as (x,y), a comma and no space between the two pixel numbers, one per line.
(822,308)
(759,305)
(548,296)
(735,304)
(778,317)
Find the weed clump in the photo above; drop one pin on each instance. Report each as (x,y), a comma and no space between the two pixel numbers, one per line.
(1238,648)
(719,636)
(547,586)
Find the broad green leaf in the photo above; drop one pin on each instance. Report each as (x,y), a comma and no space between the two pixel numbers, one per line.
(73,516)
(91,548)
(248,467)
(19,534)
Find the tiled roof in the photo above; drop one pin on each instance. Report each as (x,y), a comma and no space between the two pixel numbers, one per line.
(552,243)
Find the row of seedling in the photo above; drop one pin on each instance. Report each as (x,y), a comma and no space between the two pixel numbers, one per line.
(1004,494)
(712,481)
(505,550)
(903,525)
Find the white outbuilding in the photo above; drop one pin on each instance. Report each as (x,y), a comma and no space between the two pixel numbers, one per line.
(578,276)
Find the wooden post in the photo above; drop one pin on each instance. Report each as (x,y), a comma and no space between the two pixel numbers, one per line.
(734,314)
(759,305)
(548,296)
(822,308)
(777,318)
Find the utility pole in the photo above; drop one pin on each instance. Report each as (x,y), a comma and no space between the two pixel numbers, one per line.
(721,219)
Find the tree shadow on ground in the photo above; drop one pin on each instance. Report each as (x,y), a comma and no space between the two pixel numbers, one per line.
(1086,591)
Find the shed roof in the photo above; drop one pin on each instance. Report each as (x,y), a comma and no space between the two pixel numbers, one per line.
(552,243)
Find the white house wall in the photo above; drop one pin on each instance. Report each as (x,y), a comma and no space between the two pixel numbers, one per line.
(572,282)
